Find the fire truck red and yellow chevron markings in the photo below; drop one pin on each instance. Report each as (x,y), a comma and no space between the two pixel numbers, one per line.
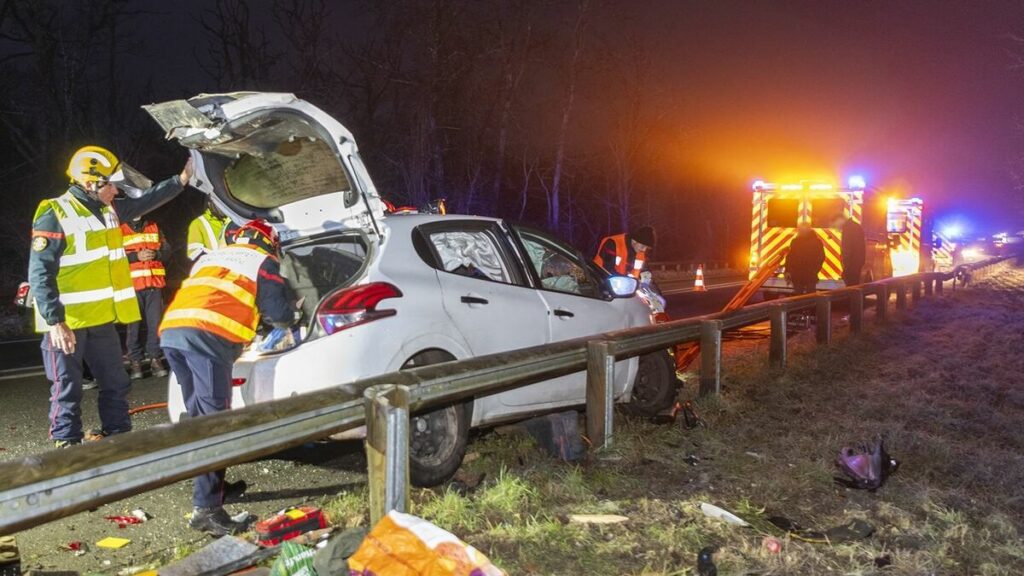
(832,269)
(775,239)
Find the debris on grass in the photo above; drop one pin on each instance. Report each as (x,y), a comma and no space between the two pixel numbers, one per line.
(597,518)
(712,511)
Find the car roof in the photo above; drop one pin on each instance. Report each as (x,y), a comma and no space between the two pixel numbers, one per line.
(410,221)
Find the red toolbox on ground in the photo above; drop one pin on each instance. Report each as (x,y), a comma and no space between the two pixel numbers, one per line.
(288,524)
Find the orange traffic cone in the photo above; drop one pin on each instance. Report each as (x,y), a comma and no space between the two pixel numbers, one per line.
(698,282)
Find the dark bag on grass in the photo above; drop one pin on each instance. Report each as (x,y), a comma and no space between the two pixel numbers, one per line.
(866,467)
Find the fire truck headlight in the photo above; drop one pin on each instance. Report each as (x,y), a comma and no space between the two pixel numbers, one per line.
(856,182)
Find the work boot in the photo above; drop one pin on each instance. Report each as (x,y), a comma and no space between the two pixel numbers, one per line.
(215,522)
(61,444)
(95,435)
(234,490)
(135,370)
(89,385)
(156,367)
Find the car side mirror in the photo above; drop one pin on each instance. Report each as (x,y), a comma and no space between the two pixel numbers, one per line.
(622,286)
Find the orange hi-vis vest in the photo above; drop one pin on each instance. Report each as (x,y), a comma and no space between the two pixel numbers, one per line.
(219,295)
(150,274)
(621,256)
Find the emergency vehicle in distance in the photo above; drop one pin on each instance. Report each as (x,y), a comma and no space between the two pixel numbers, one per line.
(895,249)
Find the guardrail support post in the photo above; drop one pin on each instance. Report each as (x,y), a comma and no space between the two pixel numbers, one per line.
(856,310)
(387,449)
(901,296)
(938,286)
(710,357)
(823,319)
(881,302)
(915,292)
(928,287)
(600,388)
(777,348)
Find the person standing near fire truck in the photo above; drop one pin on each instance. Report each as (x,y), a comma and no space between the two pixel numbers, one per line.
(805,259)
(853,251)
(626,254)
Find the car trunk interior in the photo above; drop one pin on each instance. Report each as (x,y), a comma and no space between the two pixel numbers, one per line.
(316,267)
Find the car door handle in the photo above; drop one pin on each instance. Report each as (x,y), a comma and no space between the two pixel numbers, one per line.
(563,313)
(474,300)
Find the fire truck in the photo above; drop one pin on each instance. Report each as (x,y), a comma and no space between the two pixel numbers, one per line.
(904,220)
(779,208)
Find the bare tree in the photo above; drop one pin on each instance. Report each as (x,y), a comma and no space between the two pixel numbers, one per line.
(554,202)
(240,55)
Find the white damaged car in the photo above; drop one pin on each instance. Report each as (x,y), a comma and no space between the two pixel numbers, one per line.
(383,293)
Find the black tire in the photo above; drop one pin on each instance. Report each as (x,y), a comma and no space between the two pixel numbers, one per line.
(654,389)
(437,440)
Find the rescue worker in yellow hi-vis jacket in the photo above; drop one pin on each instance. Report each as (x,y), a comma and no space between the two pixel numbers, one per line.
(206,232)
(212,317)
(81,286)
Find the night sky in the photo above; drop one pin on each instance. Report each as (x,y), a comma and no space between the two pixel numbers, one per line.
(921,97)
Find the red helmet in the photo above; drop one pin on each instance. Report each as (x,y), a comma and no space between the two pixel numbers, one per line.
(259,234)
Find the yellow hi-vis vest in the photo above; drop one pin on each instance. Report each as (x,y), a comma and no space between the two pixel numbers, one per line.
(219,296)
(94,281)
(205,234)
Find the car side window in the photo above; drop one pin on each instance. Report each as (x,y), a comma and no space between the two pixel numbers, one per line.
(472,253)
(557,266)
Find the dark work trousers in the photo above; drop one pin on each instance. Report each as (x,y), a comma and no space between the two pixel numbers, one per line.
(151,304)
(206,387)
(100,346)
(851,277)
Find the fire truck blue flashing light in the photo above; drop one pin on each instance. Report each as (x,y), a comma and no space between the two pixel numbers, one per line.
(856,182)
(952,231)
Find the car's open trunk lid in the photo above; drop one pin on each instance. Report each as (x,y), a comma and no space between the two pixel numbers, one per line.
(275,157)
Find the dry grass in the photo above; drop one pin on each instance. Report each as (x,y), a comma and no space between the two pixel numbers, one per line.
(940,382)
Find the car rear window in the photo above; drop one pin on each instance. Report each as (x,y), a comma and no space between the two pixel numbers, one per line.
(285,171)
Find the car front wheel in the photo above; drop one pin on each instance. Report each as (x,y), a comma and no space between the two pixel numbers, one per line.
(437,439)
(654,389)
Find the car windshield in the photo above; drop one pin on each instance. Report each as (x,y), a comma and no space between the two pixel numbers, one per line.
(279,161)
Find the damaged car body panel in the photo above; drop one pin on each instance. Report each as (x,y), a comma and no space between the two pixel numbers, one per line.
(275,157)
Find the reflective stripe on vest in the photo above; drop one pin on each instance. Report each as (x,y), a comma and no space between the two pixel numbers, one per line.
(220,295)
(209,239)
(148,274)
(94,281)
(621,256)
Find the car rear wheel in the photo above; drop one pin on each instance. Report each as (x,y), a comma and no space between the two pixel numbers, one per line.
(654,389)
(437,439)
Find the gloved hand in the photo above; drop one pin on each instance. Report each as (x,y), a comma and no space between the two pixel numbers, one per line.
(278,339)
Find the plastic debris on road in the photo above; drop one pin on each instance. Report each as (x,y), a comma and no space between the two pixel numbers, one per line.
(112,543)
(404,545)
(123,521)
(217,554)
(332,558)
(712,511)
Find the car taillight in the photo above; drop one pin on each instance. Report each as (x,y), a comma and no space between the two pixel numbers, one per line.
(350,307)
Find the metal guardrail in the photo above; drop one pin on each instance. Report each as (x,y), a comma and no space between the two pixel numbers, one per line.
(52,485)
